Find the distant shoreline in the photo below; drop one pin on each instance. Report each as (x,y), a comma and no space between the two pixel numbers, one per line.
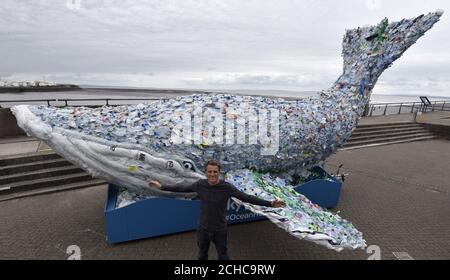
(39,88)
(144,90)
(93,95)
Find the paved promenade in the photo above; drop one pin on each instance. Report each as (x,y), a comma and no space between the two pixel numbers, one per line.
(397,195)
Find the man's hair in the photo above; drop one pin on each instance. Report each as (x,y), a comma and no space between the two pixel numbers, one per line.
(213,163)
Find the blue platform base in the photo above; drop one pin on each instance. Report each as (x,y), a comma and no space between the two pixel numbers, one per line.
(161,216)
(321,188)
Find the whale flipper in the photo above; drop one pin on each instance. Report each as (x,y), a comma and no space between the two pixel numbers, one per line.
(300,218)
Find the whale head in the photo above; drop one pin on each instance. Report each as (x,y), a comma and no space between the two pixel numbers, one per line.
(121,163)
(127,165)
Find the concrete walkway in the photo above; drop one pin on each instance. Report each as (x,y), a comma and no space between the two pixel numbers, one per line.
(435,118)
(21,145)
(397,195)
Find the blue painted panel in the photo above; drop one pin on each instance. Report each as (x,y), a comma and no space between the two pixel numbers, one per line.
(162,216)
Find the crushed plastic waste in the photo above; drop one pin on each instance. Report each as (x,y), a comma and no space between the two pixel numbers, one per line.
(306,131)
(300,217)
(125,197)
(310,129)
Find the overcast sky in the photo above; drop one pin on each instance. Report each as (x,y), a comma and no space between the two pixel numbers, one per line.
(223,44)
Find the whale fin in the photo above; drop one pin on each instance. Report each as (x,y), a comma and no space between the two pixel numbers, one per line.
(368,52)
(384,43)
(301,218)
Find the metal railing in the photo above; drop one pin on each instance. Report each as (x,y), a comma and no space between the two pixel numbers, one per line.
(89,102)
(383,109)
(374,109)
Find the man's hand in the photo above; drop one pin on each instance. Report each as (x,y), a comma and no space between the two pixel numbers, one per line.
(278,203)
(154,184)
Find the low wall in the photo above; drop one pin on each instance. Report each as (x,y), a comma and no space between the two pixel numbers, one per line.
(442,130)
(8,124)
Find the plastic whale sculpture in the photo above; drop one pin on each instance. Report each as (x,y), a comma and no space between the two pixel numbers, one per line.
(170,140)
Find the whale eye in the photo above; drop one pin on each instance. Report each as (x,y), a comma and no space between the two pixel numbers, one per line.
(188,165)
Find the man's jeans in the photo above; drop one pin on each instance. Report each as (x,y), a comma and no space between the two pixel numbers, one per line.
(220,240)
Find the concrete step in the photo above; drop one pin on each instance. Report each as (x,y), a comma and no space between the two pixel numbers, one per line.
(40,173)
(32,166)
(351,147)
(53,189)
(386,131)
(44,182)
(387,135)
(27,158)
(387,123)
(373,127)
(390,139)
(7,140)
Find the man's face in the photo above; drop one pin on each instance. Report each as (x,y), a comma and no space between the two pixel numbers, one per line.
(212,173)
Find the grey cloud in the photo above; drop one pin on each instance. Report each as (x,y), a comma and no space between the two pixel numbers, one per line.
(187,43)
(237,79)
